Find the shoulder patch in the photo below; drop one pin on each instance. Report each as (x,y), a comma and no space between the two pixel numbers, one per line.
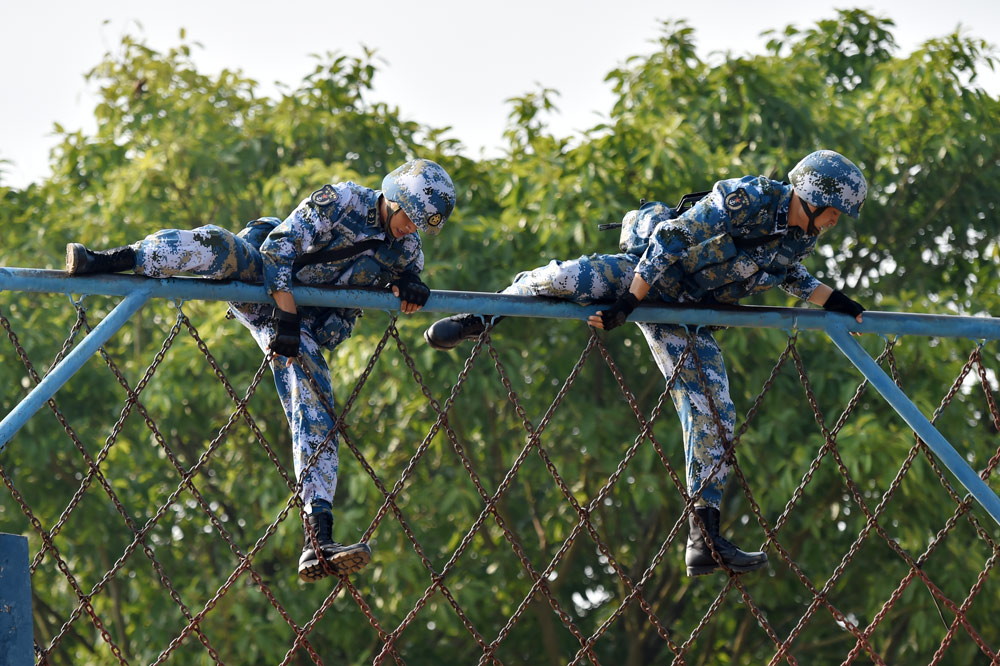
(737,200)
(324,196)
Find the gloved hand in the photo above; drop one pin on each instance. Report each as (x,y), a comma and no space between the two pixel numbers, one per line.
(839,302)
(286,335)
(411,289)
(615,315)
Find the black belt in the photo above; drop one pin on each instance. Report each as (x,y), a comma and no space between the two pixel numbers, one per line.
(743,243)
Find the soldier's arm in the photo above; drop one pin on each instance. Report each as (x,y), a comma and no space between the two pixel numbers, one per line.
(297,234)
(413,254)
(834,300)
(820,295)
(800,283)
(284,300)
(637,289)
(407,285)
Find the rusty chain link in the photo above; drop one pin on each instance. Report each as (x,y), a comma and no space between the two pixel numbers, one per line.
(441,578)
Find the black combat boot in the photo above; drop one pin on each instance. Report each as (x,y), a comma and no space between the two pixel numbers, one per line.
(449,333)
(321,555)
(80,260)
(699,557)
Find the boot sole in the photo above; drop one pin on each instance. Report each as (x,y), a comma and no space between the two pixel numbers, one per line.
(74,256)
(705,570)
(343,563)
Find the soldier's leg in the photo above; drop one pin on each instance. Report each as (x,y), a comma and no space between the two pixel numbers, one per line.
(208,251)
(704,443)
(307,408)
(595,277)
(705,434)
(311,425)
(591,278)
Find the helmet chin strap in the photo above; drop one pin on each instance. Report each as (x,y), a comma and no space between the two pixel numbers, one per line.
(386,219)
(812,214)
(381,218)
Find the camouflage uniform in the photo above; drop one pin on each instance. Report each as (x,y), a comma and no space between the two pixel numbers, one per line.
(733,243)
(334,217)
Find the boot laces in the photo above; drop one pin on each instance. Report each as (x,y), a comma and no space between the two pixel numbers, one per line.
(722,543)
(320,531)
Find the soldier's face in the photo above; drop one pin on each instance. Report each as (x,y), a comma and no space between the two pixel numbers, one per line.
(797,218)
(827,219)
(400,223)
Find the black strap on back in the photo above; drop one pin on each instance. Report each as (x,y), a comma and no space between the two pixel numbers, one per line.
(688,200)
(338,254)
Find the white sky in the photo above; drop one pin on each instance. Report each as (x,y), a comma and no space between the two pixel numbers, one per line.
(448,63)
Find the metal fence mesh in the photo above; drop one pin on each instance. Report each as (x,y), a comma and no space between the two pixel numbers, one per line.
(73,604)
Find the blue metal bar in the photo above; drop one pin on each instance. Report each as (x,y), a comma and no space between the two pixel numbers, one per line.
(883,323)
(73,362)
(16,631)
(917,421)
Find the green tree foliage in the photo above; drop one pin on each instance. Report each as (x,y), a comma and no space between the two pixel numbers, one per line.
(175,147)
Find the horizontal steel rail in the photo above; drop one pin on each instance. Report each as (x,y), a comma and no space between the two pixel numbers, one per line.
(138,290)
(883,323)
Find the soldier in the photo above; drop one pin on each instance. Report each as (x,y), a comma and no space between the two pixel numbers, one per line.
(343,234)
(746,236)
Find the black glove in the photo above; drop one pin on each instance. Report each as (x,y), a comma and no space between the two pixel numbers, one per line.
(411,289)
(286,334)
(616,315)
(838,302)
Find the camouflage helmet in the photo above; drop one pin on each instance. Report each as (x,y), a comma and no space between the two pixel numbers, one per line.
(826,178)
(424,191)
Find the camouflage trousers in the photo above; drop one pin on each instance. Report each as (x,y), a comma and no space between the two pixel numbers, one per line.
(604,277)
(213,252)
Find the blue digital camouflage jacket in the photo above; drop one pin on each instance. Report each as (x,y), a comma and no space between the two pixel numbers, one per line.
(334,217)
(733,243)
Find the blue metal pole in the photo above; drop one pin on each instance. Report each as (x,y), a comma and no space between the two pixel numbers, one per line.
(882,323)
(73,362)
(16,632)
(917,421)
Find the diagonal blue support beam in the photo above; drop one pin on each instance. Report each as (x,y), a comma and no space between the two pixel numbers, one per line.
(73,362)
(945,452)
